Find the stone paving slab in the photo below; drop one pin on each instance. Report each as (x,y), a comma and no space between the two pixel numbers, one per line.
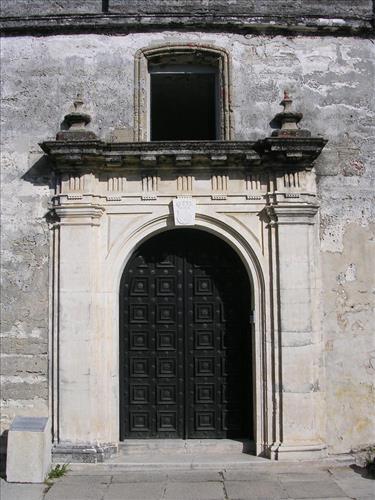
(246,475)
(246,490)
(193,491)
(271,481)
(304,476)
(313,489)
(354,482)
(140,477)
(135,491)
(85,489)
(195,476)
(357,488)
(16,491)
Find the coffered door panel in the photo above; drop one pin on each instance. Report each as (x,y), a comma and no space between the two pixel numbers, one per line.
(152,403)
(185,340)
(218,347)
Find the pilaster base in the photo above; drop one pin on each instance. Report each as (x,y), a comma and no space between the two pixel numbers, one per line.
(283,451)
(82,453)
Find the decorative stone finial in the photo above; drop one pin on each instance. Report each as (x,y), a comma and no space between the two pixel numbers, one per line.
(288,120)
(286,102)
(76,121)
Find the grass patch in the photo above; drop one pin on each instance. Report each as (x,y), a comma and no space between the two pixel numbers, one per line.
(57,472)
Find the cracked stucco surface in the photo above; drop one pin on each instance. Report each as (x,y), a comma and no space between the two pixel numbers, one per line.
(331,80)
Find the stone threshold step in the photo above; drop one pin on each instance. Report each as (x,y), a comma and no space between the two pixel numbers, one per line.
(187,446)
(172,461)
(183,463)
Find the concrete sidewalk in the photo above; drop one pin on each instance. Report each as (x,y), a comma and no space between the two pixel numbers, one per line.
(268,481)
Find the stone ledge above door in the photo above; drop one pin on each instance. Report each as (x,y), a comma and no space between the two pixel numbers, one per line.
(294,153)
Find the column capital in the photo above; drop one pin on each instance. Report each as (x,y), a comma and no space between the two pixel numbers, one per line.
(79,214)
(291,214)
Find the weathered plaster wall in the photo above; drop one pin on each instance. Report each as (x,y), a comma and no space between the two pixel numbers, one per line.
(349,339)
(25,249)
(331,81)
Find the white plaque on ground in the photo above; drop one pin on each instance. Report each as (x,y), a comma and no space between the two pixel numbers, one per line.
(184,211)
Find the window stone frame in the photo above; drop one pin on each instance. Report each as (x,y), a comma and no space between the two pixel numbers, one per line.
(218,57)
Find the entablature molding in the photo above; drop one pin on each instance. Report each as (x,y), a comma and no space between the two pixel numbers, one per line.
(98,156)
(277,168)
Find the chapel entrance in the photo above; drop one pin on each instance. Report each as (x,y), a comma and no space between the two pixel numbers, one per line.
(185,340)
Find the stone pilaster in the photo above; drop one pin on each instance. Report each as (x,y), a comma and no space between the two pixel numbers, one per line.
(296,346)
(81,358)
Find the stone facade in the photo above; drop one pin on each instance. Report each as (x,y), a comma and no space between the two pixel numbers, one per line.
(327,390)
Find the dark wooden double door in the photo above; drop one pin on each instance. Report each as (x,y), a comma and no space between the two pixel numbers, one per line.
(185,367)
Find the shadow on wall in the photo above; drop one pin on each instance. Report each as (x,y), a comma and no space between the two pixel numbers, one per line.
(40,173)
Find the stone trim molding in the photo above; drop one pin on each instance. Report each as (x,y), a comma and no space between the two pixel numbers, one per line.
(308,25)
(244,243)
(216,57)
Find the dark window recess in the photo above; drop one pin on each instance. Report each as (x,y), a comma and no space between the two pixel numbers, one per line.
(183,107)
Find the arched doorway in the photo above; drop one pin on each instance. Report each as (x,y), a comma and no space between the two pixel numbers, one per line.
(185,340)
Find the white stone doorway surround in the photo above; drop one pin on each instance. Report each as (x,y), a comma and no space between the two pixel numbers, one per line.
(91,369)
(88,375)
(259,197)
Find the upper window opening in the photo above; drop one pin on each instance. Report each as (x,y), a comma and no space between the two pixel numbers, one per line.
(183,104)
(182,94)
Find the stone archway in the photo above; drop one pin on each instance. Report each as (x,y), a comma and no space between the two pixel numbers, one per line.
(185,340)
(259,197)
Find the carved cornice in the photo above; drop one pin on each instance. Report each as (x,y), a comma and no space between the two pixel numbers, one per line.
(96,155)
(294,152)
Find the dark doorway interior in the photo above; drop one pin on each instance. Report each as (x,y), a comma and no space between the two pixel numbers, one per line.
(183,107)
(185,340)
